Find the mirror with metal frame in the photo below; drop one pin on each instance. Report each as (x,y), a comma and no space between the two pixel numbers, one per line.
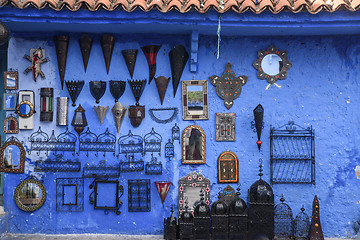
(195,100)
(9,101)
(30,195)
(12,156)
(193,145)
(25,109)
(11,125)
(272,64)
(11,81)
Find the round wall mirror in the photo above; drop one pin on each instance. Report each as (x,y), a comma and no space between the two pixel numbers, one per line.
(12,156)
(25,109)
(272,64)
(11,125)
(30,195)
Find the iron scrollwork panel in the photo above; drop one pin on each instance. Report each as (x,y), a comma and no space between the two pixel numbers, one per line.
(105,142)
(139,198)
(70,204)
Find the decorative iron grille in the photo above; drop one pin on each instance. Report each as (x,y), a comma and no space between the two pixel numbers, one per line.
(139,195)
(131,164)
(101,170)
(292,154)
(130,144)
(57,165)
(90,142)
(73,187)
(152,142)
(154,167)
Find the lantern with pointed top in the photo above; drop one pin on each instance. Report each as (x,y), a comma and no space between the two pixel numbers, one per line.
(61,45)
(97,89)
(178,58)
(161,85)
(85,43)
(150,52)
(163,189)
(107,45)
(137,113)
(118,112)
(74,88)
(79,120)
(101,112)
(257,125)
(130,59)
(117,89)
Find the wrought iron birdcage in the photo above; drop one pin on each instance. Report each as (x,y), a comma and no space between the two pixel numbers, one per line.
(175,133)
(169,150)
(283,221)
(301,226)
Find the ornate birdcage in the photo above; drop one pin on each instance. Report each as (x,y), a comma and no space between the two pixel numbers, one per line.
(283,221)
(220,218)
(301,226)
(238,218)
(202,220)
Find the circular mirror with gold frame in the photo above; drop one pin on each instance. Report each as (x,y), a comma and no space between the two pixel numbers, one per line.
(25,109)
(30,195)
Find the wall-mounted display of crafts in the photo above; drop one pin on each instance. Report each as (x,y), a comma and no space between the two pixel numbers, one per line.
(37,57)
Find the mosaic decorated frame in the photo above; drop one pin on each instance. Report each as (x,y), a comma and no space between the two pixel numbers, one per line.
(228,165)
(225,127)
(193,145)
(195,100)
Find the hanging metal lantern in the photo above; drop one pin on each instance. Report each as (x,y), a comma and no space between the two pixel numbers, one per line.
(101,112)
(62,111)
(46,104)
(79,120)
(118,111)
(150,52)
(74,88)
(258,123)
(161,85)
(178,58)
(107,44)
(130,59)
(117,89)
(97,89)
(163,189)
(137,113)
(85,46)
(169,150)
(4,34)
(61,45)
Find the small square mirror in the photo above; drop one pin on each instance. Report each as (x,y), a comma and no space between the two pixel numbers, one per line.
(11,80)
(195,100)
(9,101)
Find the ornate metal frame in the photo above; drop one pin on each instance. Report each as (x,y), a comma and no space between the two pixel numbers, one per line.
(131,144)
(18,191)
(152,142)
(193,180)
(94,195)
(225,127)
(205,108)
(12,141)
(12,118)
(89,141)
(131,164)
(154,167)
(170,119)
(228,168)
(292,154)
(14,95)
(61,184)
(139,195)
(203,146)
(102,170)
(13,74)
(285,62)
(57,165)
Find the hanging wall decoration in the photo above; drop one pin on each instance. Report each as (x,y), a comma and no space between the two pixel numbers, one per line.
(9,101)
(152,142)
(118,112)
(85,43)
(228,165)
(58,164)
(154,167)
(178,58)
(225,127)
(90,142)
(316,232)
(292,154)
(25,109)
(150,52)
(130,59)
(175,133)
(139,195)
(101,112)
(107,45)
(163,189)
(117,89)
(137,112)
(130,145)
(170,113)
(257,125)
(195,100)
(12,156)
(46,104)
(272,65)
(161,85)
(106,195)
(62,104)
(30,194)
(169,150)
(97,89)
(79,120)
(74,88)
(69,194)
(11,80)
(61,46)
(37,58)
(11,125)
(102,170)
(193,145)
(228,86)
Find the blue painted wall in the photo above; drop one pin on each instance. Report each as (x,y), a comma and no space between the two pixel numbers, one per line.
(321,90)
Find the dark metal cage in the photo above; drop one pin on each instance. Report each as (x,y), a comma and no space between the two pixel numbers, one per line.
(301,226)
(283,221)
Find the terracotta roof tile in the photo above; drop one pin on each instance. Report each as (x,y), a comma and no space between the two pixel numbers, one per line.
(201,6)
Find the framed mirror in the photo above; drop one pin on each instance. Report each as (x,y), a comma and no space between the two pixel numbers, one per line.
(25,109)
(9,101)
(30,195)
(272,64)
(12,156)
(228,165)
(11,125)
(189,190)
(11,80)
(193,145)
(195,100)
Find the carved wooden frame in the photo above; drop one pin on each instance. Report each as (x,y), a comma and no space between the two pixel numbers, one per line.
(223,165)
